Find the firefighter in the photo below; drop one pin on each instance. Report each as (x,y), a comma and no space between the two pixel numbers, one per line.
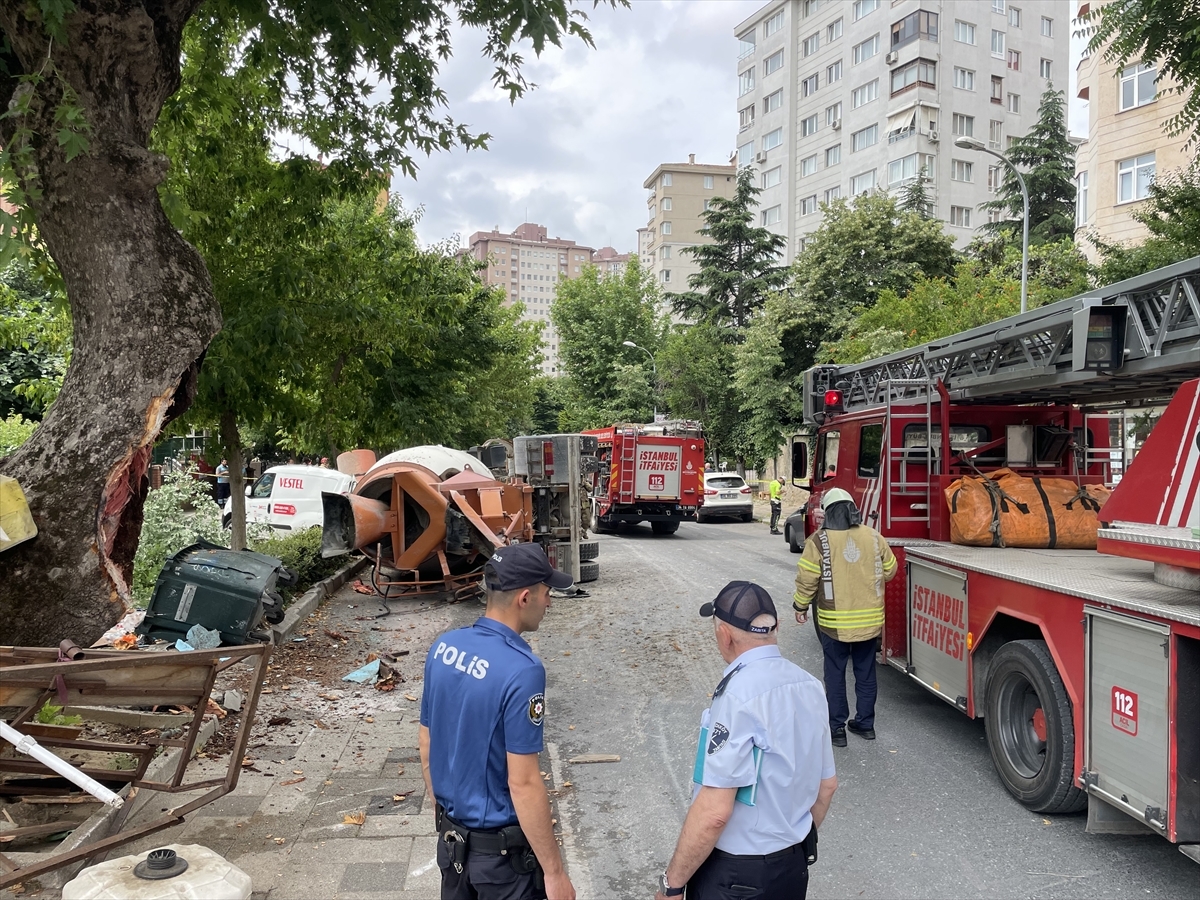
(844,567)
(776,489)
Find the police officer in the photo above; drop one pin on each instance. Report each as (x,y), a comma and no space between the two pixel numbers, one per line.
(480,736)
(848,563)
(764,766)
(776,489)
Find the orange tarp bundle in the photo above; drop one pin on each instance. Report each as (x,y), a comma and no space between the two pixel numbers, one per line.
(1004,509)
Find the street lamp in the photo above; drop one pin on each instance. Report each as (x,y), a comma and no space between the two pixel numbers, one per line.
(653,369)
(967,143)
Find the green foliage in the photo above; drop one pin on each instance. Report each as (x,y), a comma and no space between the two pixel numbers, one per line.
(550,398)
(1166,31)
(1047,160)
(739,266)
(1172,216)
(914,196)
(50,714)
(35,340)
(299,551)
(175,516)
(14,431)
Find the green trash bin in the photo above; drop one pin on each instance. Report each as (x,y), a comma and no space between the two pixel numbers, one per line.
(230,591)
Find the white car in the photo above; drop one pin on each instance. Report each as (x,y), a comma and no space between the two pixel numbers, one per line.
(726,495)
(288,498)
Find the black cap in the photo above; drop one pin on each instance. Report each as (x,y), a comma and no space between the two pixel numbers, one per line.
(523,565)
(740,603)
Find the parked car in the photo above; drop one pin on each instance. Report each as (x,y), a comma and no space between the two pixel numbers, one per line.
(288,498)
(726,495)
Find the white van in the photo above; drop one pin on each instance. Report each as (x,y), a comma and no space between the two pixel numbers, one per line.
(289,497)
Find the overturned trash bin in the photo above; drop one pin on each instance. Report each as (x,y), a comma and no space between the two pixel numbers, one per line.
(175,871)
(228,591)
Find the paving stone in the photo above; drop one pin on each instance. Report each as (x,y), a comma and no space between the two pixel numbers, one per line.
(398,826)
(421,878)
(386,805)
(370,878)
(231,805)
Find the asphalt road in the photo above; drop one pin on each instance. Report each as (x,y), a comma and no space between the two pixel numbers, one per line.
(918,813)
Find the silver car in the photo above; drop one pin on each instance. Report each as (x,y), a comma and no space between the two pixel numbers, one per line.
(726,495)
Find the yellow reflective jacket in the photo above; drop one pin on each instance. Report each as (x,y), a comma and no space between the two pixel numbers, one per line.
(847,582)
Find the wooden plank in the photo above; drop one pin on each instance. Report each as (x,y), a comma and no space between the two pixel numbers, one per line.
(595,758)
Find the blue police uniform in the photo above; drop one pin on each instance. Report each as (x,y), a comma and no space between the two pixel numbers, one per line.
(484,698)
(767,730)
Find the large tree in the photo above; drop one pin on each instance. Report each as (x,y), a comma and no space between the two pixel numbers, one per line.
(739,265)
(82,86)
(1047,161)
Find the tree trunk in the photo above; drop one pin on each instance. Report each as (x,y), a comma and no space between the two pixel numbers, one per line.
(141,303)
(232,442)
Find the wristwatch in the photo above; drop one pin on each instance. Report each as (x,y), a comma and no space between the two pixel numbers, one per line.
(665,888)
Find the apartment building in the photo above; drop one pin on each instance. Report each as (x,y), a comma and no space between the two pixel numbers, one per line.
(529,266)
(645,237)
(677,194)
(1126,146)
(840,98)
(609,261)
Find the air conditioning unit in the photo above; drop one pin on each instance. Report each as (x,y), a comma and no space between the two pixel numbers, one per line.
(762,156)
(933,137)
(837,125)
(892,57)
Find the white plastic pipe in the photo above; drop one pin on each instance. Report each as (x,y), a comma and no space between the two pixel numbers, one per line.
(27,745)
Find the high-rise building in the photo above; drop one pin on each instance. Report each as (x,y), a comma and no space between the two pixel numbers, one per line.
(677,195)
(840,98)
(609,261)
(530,266)
(645,237)
(1126,147)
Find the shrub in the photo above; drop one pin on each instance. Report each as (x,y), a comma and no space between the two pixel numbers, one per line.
(176,515)
(300,551)
(14,431)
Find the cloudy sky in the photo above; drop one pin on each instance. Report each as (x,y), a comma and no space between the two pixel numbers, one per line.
(572,154)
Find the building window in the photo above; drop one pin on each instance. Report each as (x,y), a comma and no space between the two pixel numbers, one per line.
(864,94)
(745,117)
(964,32)
(997,44)
(1014,17)
(961,170)
(808,86)
(998,6)
(864,8)
(833,31)
(995,178)
(833,155)
(919,24)
(1014,103)
(745,82)
(808,205)
(773,24)
(665,275)
(866,49)
(865,138)
(666,227)
(833,113)
(919,71)
(772,139)
(746,154)
(960,216)
(812,44)
(653,213)
(773,101)
(808,166)
(1047,27)
(772,177)
(833,193)
(964,79)
(1137,86)
(664,252)
(666,203)
(810,125)
(1081,199)
(708,182)
(773,63)
(861,184)
(1014,60)
(746,44)
(666,179)
(997,89)
(707,205)
(963,126)
(1134,177)
(995,134)
(833,73)
(1044,69)
(771,216)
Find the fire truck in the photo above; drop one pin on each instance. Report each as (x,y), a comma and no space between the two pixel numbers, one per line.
(1084,664)
(648,473)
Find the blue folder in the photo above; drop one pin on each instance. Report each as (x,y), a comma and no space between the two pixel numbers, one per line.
(747,794)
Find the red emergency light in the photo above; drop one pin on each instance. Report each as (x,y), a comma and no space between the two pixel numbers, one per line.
(548,458)
(833,401)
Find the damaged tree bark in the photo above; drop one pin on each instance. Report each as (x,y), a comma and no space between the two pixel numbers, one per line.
(141,303)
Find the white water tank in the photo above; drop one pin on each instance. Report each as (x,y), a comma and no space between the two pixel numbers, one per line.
(173,872)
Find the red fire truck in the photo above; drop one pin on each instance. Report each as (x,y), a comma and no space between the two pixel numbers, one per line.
(648,473)
(1085,665)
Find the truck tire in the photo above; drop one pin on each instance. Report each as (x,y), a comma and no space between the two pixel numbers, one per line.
(1031,730)
(604,526)
(588,550)
(664,527)
(588,571)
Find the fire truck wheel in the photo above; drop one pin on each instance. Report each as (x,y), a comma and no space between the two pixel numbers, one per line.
(604,526)
(664,527)
(588,571)
(588,550)
(1030,729)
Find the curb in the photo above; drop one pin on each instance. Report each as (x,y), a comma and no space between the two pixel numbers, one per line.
(302,608)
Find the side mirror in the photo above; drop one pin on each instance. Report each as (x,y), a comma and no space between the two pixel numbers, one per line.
(800,463)
(249,488)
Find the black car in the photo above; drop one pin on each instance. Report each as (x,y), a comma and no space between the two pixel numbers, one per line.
(793,529)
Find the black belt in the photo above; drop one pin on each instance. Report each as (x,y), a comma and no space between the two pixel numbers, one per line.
(770,857)
(492,841)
